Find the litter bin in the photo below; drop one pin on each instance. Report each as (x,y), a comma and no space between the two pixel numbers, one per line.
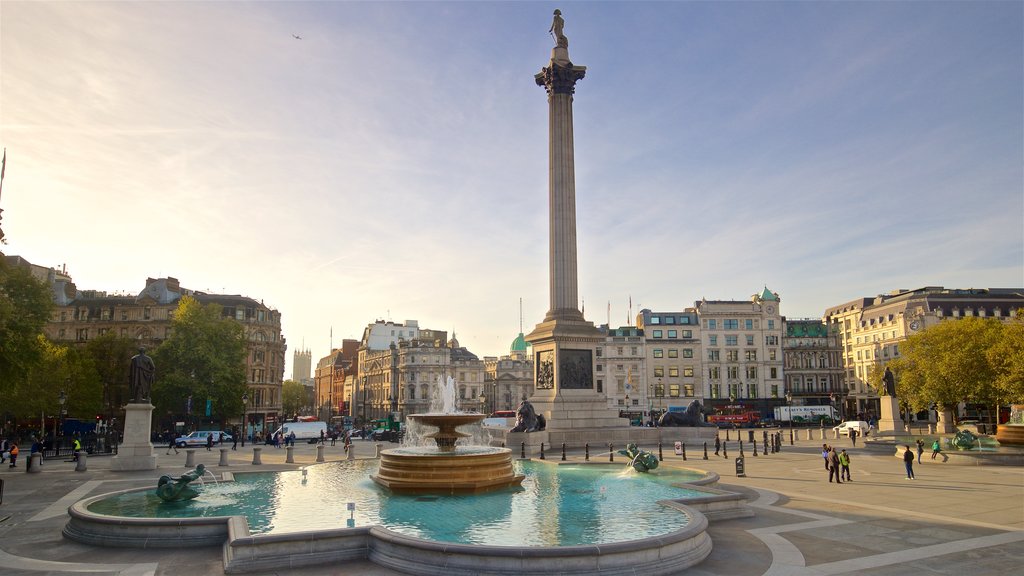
(750,435)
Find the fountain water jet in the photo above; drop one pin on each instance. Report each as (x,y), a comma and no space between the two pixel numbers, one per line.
(446,468)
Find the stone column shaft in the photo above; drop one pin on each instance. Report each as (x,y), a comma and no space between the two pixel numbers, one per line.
(562,207)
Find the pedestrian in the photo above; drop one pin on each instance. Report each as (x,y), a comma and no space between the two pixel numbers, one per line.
(937,449)
(171,444)
(14,454)
(833,465)
(920,449)
(209,441)
(76,447)
(4,450)
(824,454)
(718,444)
(908,461)
(844,462)
(291,438)
(334,436)
(234,439)
(321,436)
(853,436)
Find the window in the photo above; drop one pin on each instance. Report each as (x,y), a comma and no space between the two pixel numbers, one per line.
(673,353)
(659,372)
(658,353)
(731,324)
(748,324)
(750,339)
(60,333)
(751,390)
(751,372)
(599,352)
(712,324)
(713,340)
(688,371)
(146,313)
(633,351)
(771,354)
(656,334)
(600,385)
(83,334)
(655,319)
(771,324)
(673,390)
(774,372)
(733,372)
(687,352)
(687,333)
(673,372)
(688,390)
(751,355)
(714,373)
(713,355)
(670,319)
(684,319)
(716,391)
(730,340)
(659,390)
(775,390)
(673,333)
(600,367)
(732,355)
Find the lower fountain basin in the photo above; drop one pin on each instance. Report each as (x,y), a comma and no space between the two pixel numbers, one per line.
(465,470)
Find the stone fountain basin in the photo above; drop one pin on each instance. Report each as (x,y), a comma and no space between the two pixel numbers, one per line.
(666,554)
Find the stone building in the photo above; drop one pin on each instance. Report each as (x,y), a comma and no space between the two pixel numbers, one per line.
(870,330)
(508,380)
(81,315)
(302,364)
(673,359)
(332,371)
(813,364)
(742,342)
(619,370)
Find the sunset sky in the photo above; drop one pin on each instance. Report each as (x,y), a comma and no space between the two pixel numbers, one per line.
(392,163)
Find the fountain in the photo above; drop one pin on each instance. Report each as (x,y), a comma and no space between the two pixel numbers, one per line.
(1012,432)
(446,468)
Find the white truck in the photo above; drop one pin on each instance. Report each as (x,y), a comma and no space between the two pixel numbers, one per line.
(806,414)
(309,431)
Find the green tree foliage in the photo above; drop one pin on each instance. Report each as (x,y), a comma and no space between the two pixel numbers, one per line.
(111,357)
(293,397)
(25,307)
(948,363)
(1007,359)
(204,357)
(59,369)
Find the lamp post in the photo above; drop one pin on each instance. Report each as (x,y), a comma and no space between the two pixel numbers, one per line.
(245,417)
(60,399)
(483,404)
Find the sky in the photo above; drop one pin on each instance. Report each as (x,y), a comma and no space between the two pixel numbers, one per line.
(392,163)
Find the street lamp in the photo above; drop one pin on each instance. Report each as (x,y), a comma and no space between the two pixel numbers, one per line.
(61,399)
(483,404)
(245,417)
(789,404)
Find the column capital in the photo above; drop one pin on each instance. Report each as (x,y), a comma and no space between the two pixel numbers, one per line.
(560,79)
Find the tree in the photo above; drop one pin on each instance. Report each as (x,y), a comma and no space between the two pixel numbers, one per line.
(293,397)
(111,356)
(948,363)
(1007,359)
(25,307)
(202,359)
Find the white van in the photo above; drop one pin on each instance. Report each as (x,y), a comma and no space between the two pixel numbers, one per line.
(859,425)
(309,431)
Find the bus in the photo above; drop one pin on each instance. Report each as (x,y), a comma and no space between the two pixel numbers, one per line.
(736,415)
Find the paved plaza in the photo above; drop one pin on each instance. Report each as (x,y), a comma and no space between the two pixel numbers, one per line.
(951,520)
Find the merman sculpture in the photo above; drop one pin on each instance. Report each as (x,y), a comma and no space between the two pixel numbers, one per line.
(178,489)
(640,460)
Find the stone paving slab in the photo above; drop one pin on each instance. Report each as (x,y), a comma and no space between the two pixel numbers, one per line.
(952,520)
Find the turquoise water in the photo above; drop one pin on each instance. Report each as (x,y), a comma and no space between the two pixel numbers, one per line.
(556,506)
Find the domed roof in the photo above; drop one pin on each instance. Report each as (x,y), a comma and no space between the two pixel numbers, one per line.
(519,344)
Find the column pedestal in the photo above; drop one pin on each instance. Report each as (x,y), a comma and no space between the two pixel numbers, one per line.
(890,422)
(136,452)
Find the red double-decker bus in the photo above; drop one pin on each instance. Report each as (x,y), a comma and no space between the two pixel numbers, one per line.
(737,415)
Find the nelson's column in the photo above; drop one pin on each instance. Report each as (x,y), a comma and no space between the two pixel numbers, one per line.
(564,343)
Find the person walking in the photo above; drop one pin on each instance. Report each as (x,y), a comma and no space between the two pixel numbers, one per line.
(844,463)
(171,444)
(76,447)
(234,439)
(209,441)
(833,466)
(908,462)
(14,454)
(920,449)
(853,436)
(718,444)
(321,436)
(936,450)
(824,454)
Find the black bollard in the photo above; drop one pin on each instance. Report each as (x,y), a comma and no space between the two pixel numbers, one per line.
(726,434)
(684,451)
(611,453)
(790,436)
(660,457)
(522,451)
(741,448)
(586,456)
(541,450)
(725,450)
(755,447)
(563,451)
(705,450)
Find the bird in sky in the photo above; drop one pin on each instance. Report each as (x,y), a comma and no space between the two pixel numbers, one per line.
(297,37)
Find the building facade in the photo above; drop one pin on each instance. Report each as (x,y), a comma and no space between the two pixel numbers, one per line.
(302,364)
(813,365)
(508,380)
(332,372)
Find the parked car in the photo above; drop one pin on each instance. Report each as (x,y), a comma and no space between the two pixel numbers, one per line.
(198,438)
(859,425)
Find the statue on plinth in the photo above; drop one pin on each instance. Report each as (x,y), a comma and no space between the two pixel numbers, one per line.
(141,377)
(640,460)
(527,419)
(693,417)
(556,30)
(888,383)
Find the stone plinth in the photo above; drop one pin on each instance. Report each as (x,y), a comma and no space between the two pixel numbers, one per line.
(945,424)
(1010,434)
(136,451)
(890,422)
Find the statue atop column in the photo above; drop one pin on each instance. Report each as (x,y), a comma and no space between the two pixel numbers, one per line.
(888,383)
(557,25)
(141,377)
